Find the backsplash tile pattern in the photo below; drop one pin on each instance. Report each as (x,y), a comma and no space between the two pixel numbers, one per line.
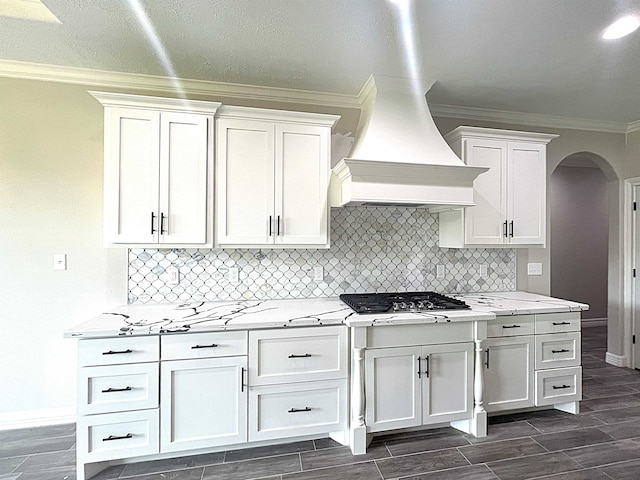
(372,249)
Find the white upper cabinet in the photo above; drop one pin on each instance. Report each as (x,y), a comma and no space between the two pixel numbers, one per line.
(272,174)
(510,198)
(158,165)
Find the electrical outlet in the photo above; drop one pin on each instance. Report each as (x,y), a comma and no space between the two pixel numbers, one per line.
(173,276)
(234,276)
(318,273)
(484,271)
(534,269)
(60,261)
(439,271)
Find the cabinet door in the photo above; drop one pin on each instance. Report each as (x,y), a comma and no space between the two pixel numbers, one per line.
(204,403)
(392,388)
(509,376)
(484,223)
(527,193)
(302,172)
(245,182)
(447,382)
(131,171)
(184,172)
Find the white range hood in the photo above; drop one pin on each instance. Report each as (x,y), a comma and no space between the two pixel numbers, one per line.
(399,156)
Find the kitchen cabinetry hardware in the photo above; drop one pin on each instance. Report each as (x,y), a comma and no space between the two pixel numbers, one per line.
(511,229)
(242,370)
(562,323)
(117,437)
(297,410)
(111,390)
(504,229)
(561,387)
(162,230)
(306,355)
(153,217)
(270,226)
(117,352)
(419,368)
(486,363)
(511,326)
(426,371)
(213,345)
(278,225)
(564,350)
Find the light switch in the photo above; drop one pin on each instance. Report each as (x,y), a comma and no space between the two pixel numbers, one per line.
(60,261)
(534,269)
(173,276)
(318,273)
(439,271)
(234,275)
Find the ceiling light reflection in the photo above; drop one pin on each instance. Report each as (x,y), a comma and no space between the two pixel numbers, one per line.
(621,28)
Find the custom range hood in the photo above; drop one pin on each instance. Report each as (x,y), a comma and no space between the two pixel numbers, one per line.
(399,157)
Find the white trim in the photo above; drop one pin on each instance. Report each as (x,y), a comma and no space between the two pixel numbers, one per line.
(616,360)
(187,87)
(531,119)
(37,418)
(627,268)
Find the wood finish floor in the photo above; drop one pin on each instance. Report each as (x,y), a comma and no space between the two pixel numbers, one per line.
(603,442)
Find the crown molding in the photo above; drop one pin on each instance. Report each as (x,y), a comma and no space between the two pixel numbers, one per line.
(133,81)
(532,119)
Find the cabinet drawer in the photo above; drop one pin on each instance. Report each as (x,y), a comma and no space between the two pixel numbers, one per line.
(116,388)
(431,334)
(511,326)
(282,411)
(297,355)
(558,322)
(118,435)
(203,345)
(557,350)
(558,386)
(117,351)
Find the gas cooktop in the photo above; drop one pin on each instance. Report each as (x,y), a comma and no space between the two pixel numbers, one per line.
(401,302)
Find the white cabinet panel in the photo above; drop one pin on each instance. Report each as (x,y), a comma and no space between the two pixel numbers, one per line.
(281,411)
(511,326)
(558,322)
(510,198)
(204,403)
(508,373)
(118,351)
(558,386)
(447,385)
(272,178)
(183,346)
(558,350)
(393,388)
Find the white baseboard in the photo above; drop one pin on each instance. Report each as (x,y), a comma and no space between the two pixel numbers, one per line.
(594,322)
(616,360)
(37,418)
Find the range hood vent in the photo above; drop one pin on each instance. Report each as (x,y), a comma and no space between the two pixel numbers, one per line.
(399,157)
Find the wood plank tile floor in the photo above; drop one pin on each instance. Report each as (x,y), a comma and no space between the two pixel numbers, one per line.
(603,442)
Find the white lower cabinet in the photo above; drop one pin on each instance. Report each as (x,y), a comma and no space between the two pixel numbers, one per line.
(508,373)
(204,403)
(419,385)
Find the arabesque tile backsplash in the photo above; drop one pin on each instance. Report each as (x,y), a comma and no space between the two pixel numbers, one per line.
(372,249)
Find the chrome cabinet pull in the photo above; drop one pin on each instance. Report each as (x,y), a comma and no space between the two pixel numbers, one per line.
(117,352)
(111,390)
(116,437)
(306,355)
(297,410)
(564,350)
(213,345)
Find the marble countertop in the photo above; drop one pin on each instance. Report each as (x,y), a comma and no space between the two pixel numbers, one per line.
(254,314)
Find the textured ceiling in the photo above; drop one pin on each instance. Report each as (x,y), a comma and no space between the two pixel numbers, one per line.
(529,56)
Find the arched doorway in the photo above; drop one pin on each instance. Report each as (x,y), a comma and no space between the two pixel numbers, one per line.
(580,253)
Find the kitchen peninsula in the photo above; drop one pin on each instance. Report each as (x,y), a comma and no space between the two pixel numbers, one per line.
(164,380)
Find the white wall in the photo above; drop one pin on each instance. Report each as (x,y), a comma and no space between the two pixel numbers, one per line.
(50,202)
(579,227)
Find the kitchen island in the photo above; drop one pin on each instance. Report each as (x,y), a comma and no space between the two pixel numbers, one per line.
(165,380)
